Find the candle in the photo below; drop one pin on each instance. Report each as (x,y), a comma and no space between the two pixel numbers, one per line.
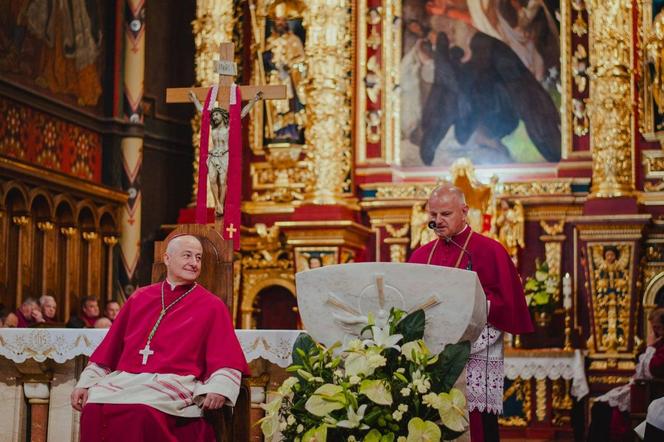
(567,291)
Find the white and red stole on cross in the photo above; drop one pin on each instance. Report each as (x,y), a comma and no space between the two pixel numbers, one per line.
(233,201)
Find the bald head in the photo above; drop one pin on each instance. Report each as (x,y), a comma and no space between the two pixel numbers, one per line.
(183,259)
(182,241)
(447,190)
(447,208)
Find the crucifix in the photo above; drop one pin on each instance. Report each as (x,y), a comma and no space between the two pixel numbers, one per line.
(146,352)
(223,166)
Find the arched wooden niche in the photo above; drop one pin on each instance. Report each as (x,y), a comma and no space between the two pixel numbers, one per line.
(653,297)
(57,237)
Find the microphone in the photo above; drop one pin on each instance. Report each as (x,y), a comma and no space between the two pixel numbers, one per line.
(432,225)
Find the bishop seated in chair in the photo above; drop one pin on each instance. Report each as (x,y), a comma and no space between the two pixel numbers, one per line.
(171,355)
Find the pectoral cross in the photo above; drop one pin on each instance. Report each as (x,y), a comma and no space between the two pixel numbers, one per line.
(227,70)
(146,352)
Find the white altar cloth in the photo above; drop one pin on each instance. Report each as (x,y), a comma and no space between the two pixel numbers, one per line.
(555,364)
(60,345)
(63,344)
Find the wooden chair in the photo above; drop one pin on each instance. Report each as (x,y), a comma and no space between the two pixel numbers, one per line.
(231,424)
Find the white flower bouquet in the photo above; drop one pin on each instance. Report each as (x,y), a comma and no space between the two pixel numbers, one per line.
(385,386)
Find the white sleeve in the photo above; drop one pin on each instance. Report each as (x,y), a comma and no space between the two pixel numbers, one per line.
(225,381)
(91,375)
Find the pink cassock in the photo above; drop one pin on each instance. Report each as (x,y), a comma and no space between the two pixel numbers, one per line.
(502,285)
(195,337)
(496,272)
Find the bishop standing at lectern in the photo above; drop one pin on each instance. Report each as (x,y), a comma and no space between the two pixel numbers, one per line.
(171,354)
(458,246)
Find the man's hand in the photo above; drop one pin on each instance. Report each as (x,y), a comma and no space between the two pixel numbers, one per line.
(78,398)
(37,316)
(213,401)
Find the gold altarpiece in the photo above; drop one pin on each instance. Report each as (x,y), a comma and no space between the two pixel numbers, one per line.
(339,193)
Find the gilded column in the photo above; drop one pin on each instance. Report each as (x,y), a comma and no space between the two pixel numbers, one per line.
(213,25)
(131,147)
(329,63)
(611,109)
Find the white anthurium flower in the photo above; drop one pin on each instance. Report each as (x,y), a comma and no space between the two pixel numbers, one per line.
(316,434)
(377,391)
(270,423)
(452,409)
(423,431)
(541,276)
(357,364)
(325,400)
(354,418)
(415,350)
(287,386)
(383,339)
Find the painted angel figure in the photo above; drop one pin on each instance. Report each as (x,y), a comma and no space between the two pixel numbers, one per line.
(420,233)
(510,227)
(217,161)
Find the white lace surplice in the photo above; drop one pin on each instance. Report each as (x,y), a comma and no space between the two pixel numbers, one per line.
(619,396)
(485,377)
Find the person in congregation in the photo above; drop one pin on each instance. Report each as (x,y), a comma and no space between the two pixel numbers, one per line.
(170,356)
(48,309)
(111,310)
(103,322)
(610,413)
(89,314)
(458,246)
(7,319)
(27,315)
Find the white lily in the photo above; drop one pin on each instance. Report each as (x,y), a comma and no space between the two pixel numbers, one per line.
(382,338)
(354,418)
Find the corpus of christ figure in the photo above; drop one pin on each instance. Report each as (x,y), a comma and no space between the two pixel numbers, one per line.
(217,161)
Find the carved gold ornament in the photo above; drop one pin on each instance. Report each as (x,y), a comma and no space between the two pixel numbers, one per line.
(610,102)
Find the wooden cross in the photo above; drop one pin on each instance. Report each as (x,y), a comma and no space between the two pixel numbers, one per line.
(227,70)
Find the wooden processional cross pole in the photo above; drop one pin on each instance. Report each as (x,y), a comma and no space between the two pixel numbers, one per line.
(227,70)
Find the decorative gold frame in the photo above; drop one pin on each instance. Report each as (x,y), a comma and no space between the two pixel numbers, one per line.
(386,70)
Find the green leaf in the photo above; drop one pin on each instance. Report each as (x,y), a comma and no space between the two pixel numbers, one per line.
(389,437)
(303,345)
(451,435)
(373,436)
(450,364)
(412,326)
(541,298)
(372,416)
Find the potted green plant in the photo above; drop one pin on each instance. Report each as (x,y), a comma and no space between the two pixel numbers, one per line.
(540,290)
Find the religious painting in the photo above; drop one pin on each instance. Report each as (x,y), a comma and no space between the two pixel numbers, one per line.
(283,62)
(54,46)
(480,79)
(309,258)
